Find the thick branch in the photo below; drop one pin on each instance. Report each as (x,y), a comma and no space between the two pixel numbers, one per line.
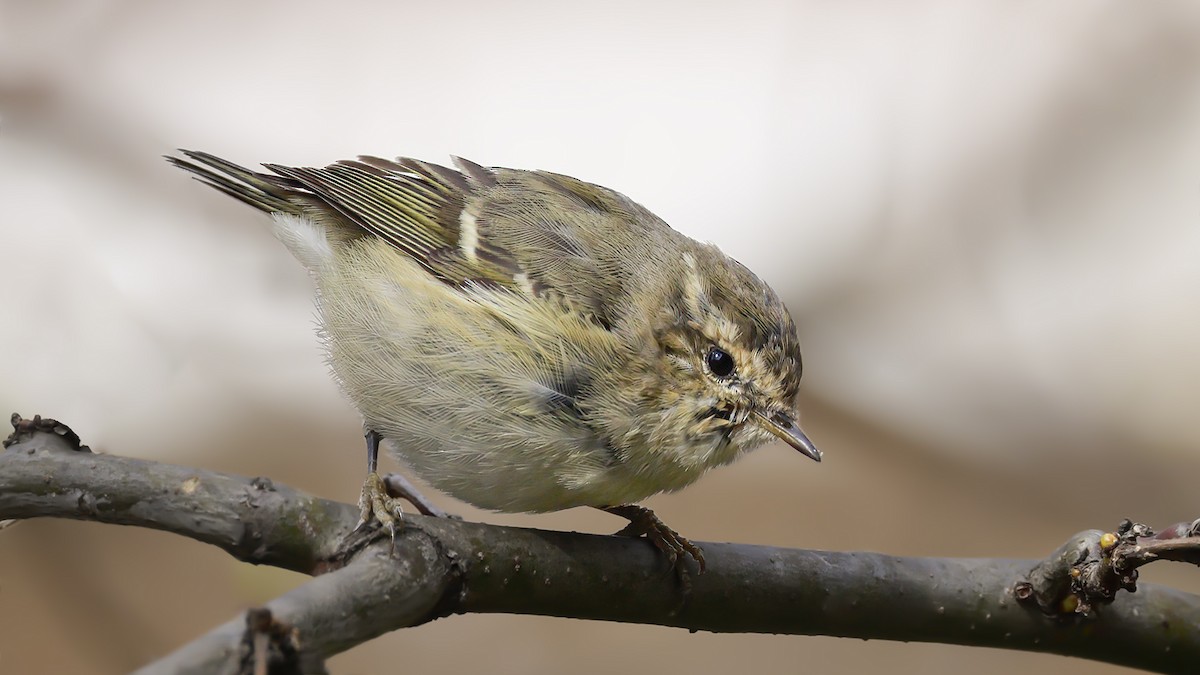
(44,474)
(373,594)
(443,566)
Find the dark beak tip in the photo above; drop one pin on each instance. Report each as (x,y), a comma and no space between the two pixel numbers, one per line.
(799,441)
(786,429)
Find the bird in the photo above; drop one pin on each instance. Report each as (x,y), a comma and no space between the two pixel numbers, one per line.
(526,341)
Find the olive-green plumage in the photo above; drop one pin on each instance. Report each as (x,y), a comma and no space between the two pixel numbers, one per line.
(527,341)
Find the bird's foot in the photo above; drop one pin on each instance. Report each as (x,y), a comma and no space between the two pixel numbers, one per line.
(382,497)
(676,548)
(375,503)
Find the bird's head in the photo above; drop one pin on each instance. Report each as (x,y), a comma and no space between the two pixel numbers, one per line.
(730,352)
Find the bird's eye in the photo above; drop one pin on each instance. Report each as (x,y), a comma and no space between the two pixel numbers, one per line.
(719,362)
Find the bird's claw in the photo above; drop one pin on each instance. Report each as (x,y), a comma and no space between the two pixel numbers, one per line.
(675,547)
(375,503)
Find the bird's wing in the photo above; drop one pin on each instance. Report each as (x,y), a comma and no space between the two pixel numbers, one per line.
(533,232)
(419,208)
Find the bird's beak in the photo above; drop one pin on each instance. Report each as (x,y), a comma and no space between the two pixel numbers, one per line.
(783,426)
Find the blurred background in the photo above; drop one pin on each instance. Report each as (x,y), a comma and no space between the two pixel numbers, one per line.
(982,215)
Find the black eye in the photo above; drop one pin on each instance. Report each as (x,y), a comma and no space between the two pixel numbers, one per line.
(720,363)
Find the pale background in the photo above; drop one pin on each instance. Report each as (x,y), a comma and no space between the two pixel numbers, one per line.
(983,216)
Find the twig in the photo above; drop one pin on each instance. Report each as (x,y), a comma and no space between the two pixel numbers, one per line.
(1091,567)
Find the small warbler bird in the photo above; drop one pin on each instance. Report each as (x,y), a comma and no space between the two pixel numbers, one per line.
(526,341)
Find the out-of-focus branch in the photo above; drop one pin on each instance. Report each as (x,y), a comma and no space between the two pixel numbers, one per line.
(443,567)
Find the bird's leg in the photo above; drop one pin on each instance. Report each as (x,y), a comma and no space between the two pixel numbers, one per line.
(374,500)
(382,495)
(642,521)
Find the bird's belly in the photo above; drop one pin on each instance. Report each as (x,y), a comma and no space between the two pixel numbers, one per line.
(475,407)
(551,481)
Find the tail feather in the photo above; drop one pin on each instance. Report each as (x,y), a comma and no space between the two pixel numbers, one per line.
(417,207)
(264,192)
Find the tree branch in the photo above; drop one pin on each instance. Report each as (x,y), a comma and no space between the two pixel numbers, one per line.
(441,567)
(1090,567)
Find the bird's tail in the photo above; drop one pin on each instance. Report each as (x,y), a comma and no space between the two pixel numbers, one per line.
(264,192)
